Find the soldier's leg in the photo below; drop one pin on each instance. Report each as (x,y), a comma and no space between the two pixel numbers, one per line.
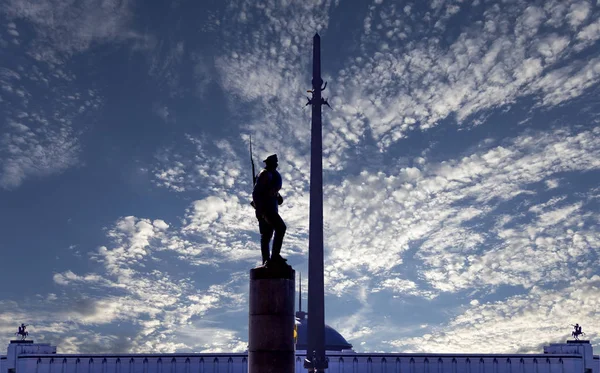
(279,226)
(266,232)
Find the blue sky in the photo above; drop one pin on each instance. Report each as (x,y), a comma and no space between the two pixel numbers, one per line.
(461,169)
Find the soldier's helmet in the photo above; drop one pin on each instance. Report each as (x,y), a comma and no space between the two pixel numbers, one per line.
(272,159)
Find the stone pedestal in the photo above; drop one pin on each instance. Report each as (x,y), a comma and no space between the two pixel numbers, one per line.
(271,320)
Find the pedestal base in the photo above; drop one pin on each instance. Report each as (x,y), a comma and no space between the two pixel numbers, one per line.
(271,320)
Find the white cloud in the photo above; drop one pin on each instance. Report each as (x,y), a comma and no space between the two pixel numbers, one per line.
(375,218)
(63,29)
(540,317)
(206,338)
(568,82)
(552,183)
(551,47)
(204,161)
(27,153)
(44,108)
(160,224)
(578,13)
(590,33)
(426,81)
(401,286)
(70,277)
(43,118)
(160,304)
(44,111)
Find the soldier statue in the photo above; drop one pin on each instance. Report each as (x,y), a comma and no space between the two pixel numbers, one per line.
(266,201)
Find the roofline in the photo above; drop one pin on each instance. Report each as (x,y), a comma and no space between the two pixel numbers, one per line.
(329,354)
(449,355)
(190,354)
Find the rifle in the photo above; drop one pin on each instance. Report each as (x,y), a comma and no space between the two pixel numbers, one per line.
(253,170)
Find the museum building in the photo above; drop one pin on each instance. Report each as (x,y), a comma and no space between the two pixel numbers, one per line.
(570,357)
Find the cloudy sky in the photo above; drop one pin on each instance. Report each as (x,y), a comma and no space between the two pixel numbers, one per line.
(461,169)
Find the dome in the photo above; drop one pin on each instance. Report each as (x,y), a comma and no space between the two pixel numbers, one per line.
(333,340)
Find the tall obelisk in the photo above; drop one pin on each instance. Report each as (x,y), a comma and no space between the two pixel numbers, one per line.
(315,359)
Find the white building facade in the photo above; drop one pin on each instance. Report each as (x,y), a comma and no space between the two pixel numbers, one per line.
(570,357)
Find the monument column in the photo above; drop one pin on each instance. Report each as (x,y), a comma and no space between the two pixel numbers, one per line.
(316,360)
(271,320)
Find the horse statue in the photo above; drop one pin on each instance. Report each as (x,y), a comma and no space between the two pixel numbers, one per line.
(22,332)
(576,332)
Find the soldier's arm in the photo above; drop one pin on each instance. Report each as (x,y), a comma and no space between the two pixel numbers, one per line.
(263,178)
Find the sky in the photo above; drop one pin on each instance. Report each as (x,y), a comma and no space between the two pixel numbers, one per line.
(461,174)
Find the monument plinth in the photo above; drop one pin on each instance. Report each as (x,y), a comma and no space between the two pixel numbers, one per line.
(271,319)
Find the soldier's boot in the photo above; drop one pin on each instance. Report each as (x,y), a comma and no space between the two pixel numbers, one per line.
(264,251)
(278,242)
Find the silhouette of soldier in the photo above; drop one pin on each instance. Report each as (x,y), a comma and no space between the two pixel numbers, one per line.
(266,200)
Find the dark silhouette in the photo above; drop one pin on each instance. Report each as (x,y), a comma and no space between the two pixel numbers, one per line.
(253,171)
(266,201)
(316,360)
(577,331)
(22,332)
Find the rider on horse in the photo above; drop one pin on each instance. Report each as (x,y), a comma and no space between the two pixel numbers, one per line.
(577,332)
(22,331)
